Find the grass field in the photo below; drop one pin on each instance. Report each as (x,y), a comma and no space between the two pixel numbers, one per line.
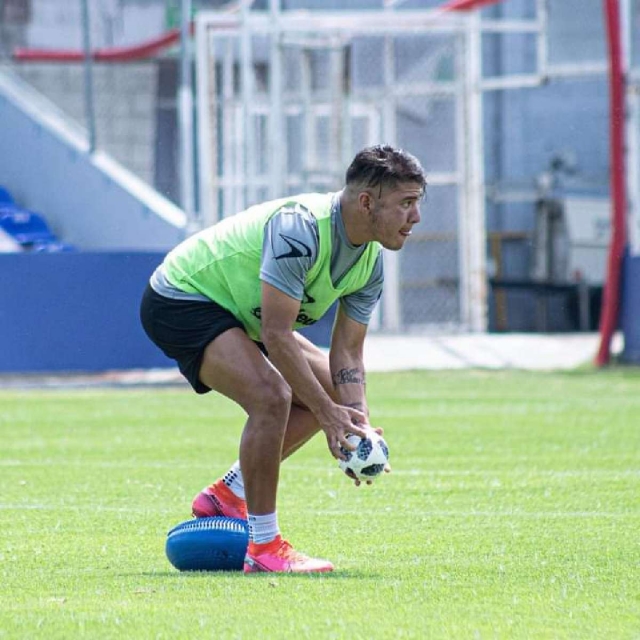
(513,511)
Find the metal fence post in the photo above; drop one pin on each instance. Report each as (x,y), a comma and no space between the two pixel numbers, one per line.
(88,76)
(185,113)
(474,229)
(391,294)
(276,124)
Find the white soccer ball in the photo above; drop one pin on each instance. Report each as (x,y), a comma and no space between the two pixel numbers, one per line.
(369,458)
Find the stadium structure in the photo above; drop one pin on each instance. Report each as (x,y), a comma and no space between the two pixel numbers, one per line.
(127,126)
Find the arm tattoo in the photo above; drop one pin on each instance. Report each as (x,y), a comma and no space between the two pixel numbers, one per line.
(348,376)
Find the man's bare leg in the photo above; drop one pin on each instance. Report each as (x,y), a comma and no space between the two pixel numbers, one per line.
(235,367)
(301,424)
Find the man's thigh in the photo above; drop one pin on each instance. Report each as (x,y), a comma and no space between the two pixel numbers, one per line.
(234,365)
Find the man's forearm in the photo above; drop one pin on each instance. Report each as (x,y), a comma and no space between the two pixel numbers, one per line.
(349,380)
(288,358)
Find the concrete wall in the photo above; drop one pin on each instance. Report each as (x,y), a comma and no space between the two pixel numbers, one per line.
(124,104)
(57,23)
(75,312)
(125,94)
(89,200)
(80,312)
(524,129)
(631,310)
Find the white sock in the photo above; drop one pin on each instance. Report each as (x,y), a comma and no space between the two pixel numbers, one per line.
(233,480)
(263,529)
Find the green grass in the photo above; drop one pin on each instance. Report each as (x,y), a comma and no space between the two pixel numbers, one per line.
(513,511)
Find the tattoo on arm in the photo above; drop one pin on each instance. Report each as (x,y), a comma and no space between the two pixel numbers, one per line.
(348,376)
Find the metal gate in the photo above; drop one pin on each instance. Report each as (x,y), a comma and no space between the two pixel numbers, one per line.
(284,102)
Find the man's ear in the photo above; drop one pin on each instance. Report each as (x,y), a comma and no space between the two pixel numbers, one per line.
(365,202)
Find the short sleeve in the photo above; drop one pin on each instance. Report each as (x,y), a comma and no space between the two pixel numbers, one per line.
(289,249)
(359,305)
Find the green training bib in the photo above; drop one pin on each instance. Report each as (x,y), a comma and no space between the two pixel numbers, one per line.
(223,261)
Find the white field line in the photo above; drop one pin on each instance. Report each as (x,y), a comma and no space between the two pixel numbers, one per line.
(83,508)
(345,512)
(492,473)
(494,514)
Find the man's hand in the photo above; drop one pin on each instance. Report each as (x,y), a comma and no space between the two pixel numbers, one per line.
(337,422)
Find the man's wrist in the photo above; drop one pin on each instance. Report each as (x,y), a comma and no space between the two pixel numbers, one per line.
(360,406)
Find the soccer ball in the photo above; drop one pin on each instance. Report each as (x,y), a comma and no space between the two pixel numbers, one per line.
(368,459)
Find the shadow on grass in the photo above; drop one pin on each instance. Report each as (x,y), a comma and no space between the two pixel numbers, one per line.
(617,367)
(341,574)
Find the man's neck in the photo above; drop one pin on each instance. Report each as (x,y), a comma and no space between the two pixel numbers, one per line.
(355,226)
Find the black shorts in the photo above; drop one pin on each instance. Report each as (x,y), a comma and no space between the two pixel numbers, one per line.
(183,328)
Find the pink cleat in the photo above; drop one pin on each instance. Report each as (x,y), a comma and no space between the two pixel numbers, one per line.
(280,557)
(218,500)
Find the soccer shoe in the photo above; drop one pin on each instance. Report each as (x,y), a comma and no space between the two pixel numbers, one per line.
(280,557)
(218,500)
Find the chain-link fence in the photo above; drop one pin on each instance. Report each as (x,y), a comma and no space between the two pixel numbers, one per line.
(133,91)
(547,147)
(539,129)
(283,109)
(288,109)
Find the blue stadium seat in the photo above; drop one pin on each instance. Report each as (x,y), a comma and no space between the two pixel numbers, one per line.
(30,230)
(26,227)
(52,247)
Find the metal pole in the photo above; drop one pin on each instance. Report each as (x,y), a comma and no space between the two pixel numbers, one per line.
(229,142)
(207,127)
(276,125)
(336,70)
(461,98)
(185,115)
(248,96)
(475,214)
(309,157)
(542,53)
(632,131)
(391,298)
(347,130)
(88,76)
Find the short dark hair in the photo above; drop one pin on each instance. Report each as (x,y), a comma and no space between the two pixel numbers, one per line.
(384,166)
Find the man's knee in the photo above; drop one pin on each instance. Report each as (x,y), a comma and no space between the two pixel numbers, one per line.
(273,397)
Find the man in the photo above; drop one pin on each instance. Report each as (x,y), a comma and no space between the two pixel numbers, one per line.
(225,304)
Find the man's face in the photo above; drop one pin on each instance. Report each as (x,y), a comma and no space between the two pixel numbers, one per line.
(393,213)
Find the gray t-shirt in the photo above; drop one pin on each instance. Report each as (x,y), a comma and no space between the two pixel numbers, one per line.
(290,249)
